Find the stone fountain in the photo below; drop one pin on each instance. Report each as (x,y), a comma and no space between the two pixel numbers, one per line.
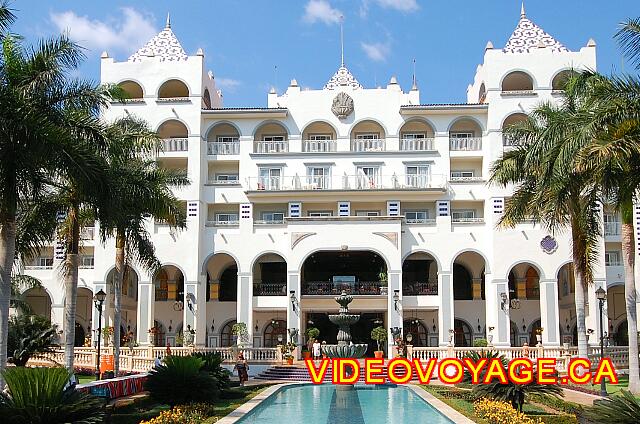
(344,320)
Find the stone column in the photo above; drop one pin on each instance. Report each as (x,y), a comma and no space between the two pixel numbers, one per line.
(294,314)
(145,311)
(446,312)
(477,288)
(195,310)
(497,316)
(549,313)
(394,318)
(244,304)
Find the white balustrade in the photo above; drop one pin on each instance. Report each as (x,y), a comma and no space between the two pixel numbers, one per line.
(175,144)
(346,182)
(417,144)
(465,144)
(368,145)
(319,146)
(223,148)
(271,146)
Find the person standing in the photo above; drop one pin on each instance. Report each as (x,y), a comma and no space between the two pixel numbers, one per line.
(316,350)
(243,369)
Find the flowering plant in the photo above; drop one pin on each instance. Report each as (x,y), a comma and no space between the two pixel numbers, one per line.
(496,412)
(287,350)
(183,414)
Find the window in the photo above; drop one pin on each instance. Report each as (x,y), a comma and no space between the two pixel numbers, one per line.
(87,262)
(612,258)
(319,213)
(269,178)
(368,136)
(319,137)
(461,214)
(413,136)
(418,175)
(273,216)
(226,218)
(461,135)
(318,176)
(367,213)
(273,138)
(226,139)
(227,177)
(611,224)
(45,262)
(461,174)
(368,176)
(416,216)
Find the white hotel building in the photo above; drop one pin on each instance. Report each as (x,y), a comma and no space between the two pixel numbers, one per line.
(367,190)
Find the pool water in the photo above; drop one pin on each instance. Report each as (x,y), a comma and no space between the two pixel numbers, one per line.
(323,404)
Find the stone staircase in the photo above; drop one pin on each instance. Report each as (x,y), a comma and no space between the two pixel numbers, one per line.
(299,373)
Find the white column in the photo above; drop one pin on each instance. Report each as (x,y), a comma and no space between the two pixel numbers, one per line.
(194,307)
(395,311)
(549,313)
(294,314)
(145,311)
(497,315)
(201,311)
(446,312)
(244,304)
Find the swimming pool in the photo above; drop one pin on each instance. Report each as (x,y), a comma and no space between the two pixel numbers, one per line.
(327,403)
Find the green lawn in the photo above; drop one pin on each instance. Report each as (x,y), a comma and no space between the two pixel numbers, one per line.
(82,379)
(148,408)
(623,383)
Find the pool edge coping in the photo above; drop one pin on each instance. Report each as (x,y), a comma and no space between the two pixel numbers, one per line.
(253,403)
(440,406)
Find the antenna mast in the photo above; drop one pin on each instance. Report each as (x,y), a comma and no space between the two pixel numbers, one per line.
(341,40)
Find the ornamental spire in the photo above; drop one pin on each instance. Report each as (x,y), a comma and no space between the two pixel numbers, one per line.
(341,40)
(522,12)
(168,24)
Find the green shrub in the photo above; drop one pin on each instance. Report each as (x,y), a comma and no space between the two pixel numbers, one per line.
(232,394)
(554,419)
(213,365)
(621,409)
(558,404)
(379,334)
(38,395)
(312,333)
(28,335)
(480,343)
(181,379)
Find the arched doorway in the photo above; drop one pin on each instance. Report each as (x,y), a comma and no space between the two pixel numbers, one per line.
(468,295)
(221,296)
(275,333)
(39,302)
(419,275)
(169,300)
(270,275)
(226,334)
(463,333)
(418,331)
(524,285)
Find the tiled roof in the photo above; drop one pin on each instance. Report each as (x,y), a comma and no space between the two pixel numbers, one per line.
(165,45)
(528,36)
(342,78)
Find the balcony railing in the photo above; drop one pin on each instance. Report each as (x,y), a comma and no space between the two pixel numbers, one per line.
(261,288)
(271,146)
(329,288)
(467,220)
(612,228)
(319,146)
(417,144)
(214,181)
(465,144)
(36,267)
(175,144)
(220,223)
(346,182)
(368,145)
(420,288)
(266,222)
(466,179)
(510,140)
(87,233)
(422,221)
(223,148)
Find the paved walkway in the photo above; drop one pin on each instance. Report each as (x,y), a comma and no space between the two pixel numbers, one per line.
(579,397)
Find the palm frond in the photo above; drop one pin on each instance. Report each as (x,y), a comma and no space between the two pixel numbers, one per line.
(628,37)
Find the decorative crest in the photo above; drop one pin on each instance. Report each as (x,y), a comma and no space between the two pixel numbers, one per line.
(342,105)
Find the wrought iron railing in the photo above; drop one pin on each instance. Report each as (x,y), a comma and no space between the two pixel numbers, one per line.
(330,288)
(420,288)
(262,288)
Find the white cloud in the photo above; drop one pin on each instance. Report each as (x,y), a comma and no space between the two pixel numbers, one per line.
(377,52)
(400,5)
(125,33)
(321,11)
(228,84)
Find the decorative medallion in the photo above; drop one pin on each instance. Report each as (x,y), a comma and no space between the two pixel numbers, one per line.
(342,105)
(548,244)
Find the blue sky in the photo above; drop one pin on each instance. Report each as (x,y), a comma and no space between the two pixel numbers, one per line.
(245,40)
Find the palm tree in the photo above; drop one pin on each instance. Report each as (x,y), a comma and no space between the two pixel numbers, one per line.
(613,161)
(548,191)
(140,189)
(36,146)
(629,38)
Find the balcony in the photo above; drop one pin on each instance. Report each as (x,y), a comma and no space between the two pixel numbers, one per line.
(268,222)
(466,179)
(417,144)
(223,148)
(270,147)
(368,145)
(260,288)
(465,144)
(329,288)
(420,288)
(87,233)
(420,221)
(38,267)
(227,182)
(510,141)
(458,220)
(612,228)
(346,182)
(319,146)
(221,223)
(175,145)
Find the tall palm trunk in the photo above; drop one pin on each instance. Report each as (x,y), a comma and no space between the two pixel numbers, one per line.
(628,258)
(580,290)
(117,298)
(7,255)
(71,286)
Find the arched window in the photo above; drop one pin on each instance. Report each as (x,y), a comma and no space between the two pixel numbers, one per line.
(226,335)
(173,89)
(517,81)
(533,284)
(621,336)
(463,333)
(482,95)
(462,284)
(418,332)
(132,89)
(271,332)
(229,285)
(162,286)
(560,80)
(206,99)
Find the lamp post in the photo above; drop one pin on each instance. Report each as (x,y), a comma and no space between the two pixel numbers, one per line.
(98,300)
(601,295)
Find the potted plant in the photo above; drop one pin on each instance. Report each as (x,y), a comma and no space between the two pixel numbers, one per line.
(287,352)
(107,332)
(383,277)
(312,334)
(379,334)
(239,329)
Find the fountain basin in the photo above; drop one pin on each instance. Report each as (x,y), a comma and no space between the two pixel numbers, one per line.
(345,351)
